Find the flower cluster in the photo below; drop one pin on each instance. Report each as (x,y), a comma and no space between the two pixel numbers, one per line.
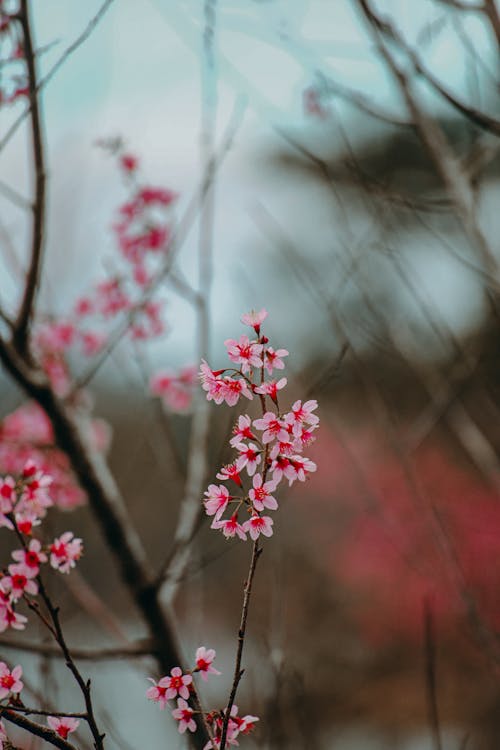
(23,504)
(269,449)
(178,686)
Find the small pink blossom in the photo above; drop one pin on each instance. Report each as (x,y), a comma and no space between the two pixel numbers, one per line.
(62,725)
(217,498)
(18,583)
(229,471)
(261,496)
(242,430)
(254,319)
(244,352)
(178,684)
(271,388)
(249,458)
(184,715)
(302,414)
(273,427)
(274,359)
(233,388)
(65,551)
(10,682)
(158,691)
(204,658)
(230,527)
(9,618)
(257,525)
(32,557)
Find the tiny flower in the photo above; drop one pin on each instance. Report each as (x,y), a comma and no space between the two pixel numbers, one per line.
(7,494)
(65,551)
(158,691)
(204,659)
(229,472)
(271,388)
(32,557)
(25,522)
(178,684)
(301,414)
(230,527)
(18,582)
(217,498)
(273,427)
(242,430)
(9,618)
(249,457)
(62,725)
(244,352)
(128,163)
(261,496)
(184,716)
(254,319)
(257,525)
(233,388)
(274,359)
(247,723)
(10,682)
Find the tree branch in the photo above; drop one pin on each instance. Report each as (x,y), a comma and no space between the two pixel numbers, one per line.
(37,729)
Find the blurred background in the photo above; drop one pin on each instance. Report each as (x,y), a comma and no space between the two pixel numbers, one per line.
(355,197)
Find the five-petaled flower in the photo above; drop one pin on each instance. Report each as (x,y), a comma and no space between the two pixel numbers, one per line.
(10,681)
(62,725)
(204,659)
(184,716)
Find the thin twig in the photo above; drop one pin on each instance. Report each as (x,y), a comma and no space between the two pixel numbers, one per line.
(430,674)
(136,650)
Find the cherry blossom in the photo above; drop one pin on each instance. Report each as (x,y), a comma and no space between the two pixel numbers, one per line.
(158,692)
(63,725)
(249,458)
(257,525)
(229,471)
(230,527)
(18,582)
(274,359)
(254,319)
(270,388)
(10,681)
(31,557)
(302,414)
(177,684)
(261,496)
(204,658)
(216,501)
(11,619)
(65,551)
(242,430)
(244,352)
(273,427)
(184,715)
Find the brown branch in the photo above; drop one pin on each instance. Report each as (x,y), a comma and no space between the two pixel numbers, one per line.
(36,729)
(38,226)
(430,673)
(238,671)
(41,712)
(136,650)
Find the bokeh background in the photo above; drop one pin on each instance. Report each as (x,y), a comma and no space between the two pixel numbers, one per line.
(382,579)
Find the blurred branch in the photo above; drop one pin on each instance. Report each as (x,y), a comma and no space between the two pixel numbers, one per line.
(62,59)
(15,197)
(26,309)
(430,673)
(435,143)
(138,649)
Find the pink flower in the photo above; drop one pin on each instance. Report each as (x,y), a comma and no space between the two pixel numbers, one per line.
(260,494)
(217,498)
(244,352)
(254,319)
(273,359)
(184,716)
(128,163)
(257,525)
(273,427)
(204,659)
(65,551)
(301,414)
(7,494)
(233,388)
(18,583)
(32,557)
(10,682)
(11,619)
(270,388)
(247,723)
(249,457)
(158,692)
(302,466)
(62,725)
(242,431)
(92,342)
(230,527)
(229,472)
(178,684)
(211,383)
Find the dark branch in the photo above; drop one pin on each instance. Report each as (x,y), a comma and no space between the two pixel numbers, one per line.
(37,729)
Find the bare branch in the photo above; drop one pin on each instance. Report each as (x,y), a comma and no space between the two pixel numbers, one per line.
(136,650)
(38,227)
(37,729)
